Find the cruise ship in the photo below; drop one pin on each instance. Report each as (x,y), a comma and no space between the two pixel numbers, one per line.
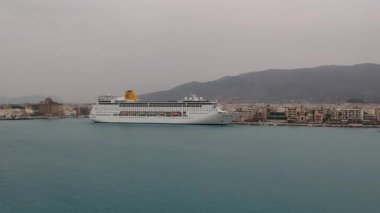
(128,109)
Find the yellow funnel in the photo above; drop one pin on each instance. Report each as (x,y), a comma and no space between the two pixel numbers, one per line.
(130,96)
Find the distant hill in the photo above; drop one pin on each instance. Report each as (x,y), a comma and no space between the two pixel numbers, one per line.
(26,99)
(328,84)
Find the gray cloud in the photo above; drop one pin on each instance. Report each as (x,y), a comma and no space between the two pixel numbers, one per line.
(79,49)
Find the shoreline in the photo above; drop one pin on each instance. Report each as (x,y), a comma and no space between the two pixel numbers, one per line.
(40,118)
(373,126)
(305,125)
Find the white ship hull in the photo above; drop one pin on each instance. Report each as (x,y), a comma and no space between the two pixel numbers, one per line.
(211,119)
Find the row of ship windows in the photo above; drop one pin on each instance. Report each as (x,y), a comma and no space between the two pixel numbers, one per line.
(159,105)
(146,117)
(149,114)
(150,109)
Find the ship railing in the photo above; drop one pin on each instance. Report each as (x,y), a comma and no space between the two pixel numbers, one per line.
(106,98)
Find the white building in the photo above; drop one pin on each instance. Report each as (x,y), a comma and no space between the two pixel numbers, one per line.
(352,114)
(11,113)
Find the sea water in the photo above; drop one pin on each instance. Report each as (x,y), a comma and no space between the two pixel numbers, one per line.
(74,165)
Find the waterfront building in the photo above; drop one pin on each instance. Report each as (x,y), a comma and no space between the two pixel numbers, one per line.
(245,113)
(29,110)
(377,114)
(259,114)
(310,117)
(369,118)
(334,116)
(302,118)
(82,110)
(291,114)
(318,117)
(11,113)
(69,111)
(277,117)
(352,115)
(48,107)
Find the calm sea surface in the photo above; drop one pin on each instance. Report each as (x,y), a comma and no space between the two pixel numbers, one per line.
(78,166)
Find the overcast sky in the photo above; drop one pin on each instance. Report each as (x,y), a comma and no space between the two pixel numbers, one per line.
(78,49)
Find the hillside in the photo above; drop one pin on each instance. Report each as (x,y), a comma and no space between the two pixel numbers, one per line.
(329,84)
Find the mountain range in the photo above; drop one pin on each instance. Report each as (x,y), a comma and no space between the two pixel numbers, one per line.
(323,84)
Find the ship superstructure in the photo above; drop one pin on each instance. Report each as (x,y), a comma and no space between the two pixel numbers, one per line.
(128,109)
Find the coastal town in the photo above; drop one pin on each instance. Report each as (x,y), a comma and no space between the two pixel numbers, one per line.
(43,110)
(296,114)
(333,115)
